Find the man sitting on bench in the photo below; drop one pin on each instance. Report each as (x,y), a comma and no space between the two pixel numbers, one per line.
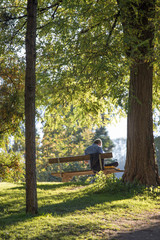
(94,150)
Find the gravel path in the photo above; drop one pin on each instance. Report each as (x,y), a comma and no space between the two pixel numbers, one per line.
(147,227)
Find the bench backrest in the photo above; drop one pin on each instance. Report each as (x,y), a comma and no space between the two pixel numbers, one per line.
(77,158)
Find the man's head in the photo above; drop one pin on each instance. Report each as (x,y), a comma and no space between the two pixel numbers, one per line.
(98,141)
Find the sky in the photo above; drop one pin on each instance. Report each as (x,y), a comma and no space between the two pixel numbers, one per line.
(118,129)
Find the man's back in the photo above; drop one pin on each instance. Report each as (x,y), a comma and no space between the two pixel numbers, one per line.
(94,148)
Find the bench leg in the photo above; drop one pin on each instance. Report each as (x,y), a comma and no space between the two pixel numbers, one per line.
(66,178)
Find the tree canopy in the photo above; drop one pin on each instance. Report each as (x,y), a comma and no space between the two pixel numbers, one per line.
(81,57)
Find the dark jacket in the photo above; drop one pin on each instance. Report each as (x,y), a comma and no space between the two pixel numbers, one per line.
(95,162)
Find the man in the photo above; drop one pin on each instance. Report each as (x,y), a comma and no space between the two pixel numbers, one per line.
(94,150)
(96,147)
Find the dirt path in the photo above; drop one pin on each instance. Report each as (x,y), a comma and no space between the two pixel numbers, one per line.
(143,227)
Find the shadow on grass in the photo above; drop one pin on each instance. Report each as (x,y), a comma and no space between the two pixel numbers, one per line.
(87,197)
(94,231)
(81,203)
(63,231)
(73,231)
(70,203)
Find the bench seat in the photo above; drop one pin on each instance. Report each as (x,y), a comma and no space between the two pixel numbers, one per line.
(67,176)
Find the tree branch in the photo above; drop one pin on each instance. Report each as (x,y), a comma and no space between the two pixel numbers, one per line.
(49,7)
(113,26)
(111,31)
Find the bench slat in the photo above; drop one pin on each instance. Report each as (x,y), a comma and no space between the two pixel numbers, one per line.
(66,176)
(77,158)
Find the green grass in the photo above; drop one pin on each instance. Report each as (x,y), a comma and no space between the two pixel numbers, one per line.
(74,210)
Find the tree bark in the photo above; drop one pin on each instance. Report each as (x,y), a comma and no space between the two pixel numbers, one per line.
(137,20)
(30,83)
(140,161)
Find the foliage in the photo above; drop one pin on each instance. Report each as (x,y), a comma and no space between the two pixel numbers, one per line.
(73,211)
(12,158)
(12,65)
(11,96)
(111,184)
(11,167)
(88,68)
(78,61)
(78,51)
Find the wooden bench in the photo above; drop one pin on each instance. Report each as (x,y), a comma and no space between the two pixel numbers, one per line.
(66,176)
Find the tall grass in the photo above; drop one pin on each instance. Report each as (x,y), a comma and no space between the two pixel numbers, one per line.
(73,210)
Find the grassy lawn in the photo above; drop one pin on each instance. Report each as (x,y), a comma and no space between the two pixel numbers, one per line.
(75,210)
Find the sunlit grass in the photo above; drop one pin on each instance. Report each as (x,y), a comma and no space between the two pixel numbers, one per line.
(72,210)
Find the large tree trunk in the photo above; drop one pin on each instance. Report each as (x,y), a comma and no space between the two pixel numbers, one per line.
(137,20)
(30,82)
(140,162)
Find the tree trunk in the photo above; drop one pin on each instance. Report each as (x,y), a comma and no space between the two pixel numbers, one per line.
(140,162)
(137,19)
(30,82)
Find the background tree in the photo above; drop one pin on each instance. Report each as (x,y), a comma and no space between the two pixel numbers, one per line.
(30,83)
(106,141)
